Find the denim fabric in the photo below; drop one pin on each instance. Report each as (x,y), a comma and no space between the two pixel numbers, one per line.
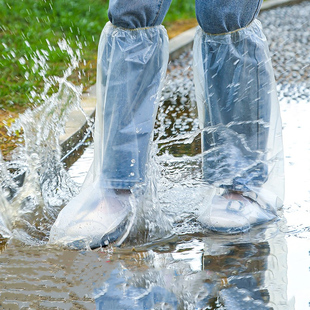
(214,16)
(137,13)
(221,16)
(131,69)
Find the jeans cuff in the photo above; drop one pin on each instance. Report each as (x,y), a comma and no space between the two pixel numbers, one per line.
(252,24)
(135,29)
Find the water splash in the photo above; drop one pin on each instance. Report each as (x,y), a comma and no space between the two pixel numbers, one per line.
(192,270)
(5,227)
(35,183)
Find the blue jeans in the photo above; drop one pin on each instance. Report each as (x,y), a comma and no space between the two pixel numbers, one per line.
(124,155)
(130,73)
(213,16)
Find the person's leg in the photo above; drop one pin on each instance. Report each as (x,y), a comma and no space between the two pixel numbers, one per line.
(234,89)
(132,61)
(137,14)
(131,65)
(222,16)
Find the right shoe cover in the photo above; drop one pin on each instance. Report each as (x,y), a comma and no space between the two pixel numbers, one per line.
(234,216)
(131,67)
(94,218)
(239,115)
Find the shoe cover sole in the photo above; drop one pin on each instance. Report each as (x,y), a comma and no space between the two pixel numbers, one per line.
(238,230)
(103,241)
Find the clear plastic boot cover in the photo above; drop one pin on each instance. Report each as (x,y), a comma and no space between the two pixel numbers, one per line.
(240,119)
(131,67)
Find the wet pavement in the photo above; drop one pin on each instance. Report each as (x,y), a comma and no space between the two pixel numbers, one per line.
(267,268)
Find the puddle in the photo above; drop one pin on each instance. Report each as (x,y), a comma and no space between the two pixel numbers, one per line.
(192,269)
(267,268)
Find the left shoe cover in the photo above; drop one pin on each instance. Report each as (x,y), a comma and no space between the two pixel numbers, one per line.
(131,67)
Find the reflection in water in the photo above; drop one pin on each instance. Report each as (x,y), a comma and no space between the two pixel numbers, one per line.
(196,273)
(189,272)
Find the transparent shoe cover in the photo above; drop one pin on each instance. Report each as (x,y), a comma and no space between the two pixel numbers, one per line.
(239,116)
(131,67)
(94,218)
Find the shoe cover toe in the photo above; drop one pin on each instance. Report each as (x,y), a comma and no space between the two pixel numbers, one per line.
(89,216)
(234,216)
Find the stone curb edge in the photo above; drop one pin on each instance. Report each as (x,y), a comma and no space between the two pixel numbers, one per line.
(76,125)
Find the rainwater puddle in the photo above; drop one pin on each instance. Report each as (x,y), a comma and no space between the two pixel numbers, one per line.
(267,268)
(272,266)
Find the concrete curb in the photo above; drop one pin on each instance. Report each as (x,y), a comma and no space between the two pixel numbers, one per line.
(77,124)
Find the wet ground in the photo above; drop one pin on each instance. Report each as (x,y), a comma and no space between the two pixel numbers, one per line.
(267,268)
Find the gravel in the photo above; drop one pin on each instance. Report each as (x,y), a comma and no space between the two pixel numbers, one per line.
(288,32)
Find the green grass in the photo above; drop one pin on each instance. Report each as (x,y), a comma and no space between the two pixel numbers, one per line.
(28,26)
(180,9)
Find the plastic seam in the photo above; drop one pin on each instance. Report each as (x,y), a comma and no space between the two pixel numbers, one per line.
(157,15)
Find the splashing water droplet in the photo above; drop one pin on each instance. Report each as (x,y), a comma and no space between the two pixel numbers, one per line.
(37,183)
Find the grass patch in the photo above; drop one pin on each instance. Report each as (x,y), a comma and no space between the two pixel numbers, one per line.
(180,10)
(30,31)
(29,27)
